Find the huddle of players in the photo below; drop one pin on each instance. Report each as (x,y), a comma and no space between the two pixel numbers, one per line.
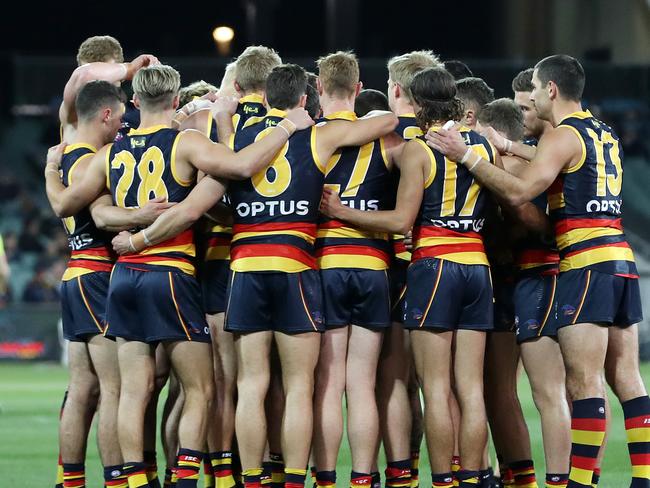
(320,283)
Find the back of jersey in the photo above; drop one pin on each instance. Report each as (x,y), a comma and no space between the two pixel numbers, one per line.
(451,215)
(141,167)
(276,211)
(361,177)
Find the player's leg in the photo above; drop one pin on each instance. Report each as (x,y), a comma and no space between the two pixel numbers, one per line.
(298,355)
(171,416)
(221,428)
(417,422)
(76,419)
(273,465)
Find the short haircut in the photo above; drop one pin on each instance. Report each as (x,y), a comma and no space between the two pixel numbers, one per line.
(402,69)
(156,86)
(313,101)
(312,79)
(96,95)
(474,92)
(194,90)
(458,69)
(566,72)
(285,85)
(369,100)
(253,67)
(339,73)
(505,116)
(100,49)
(434,90)
(523,82)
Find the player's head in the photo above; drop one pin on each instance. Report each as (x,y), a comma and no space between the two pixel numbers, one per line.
(434,97)
(312,105)
(101,104)
(522,87)
(556,78)
(312,79)
(104,49)
(286,86)
(458,69)
(369,100)
(504,116)
(338,75)
(227,87)
(155,88)
(195,90)
(474,93)
(253,67)
(401,71)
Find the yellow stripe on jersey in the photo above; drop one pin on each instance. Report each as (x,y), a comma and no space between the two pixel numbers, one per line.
(268,263)
(73,272)
(74,165)
(466,258)
(147,130)
(243,235)
(349,232)
(172,163)
(595,256)
(443,240)
(188,249)
(108,166)
(329,261)
(432,161)
(583,157)
(78,145)
(314,151)
(575,236)
(94,257)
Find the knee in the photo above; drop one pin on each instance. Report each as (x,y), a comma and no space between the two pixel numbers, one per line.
(137,388)
(583,384)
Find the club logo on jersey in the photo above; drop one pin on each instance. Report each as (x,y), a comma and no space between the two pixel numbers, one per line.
(568,310)
(532,324)
(416,314)
(317,317)
(273,207)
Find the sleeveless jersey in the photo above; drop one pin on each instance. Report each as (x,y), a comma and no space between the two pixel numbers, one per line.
(91,250)
(451,215)
(361,177)
(276,211)
(141,167)
(407,129)
(586,201)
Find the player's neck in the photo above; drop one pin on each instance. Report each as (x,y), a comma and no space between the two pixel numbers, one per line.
(151,119)
(547,126)
(562,108)
(331,105)
(87,134)
(402,107)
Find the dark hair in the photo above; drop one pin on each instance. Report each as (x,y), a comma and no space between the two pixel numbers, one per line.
(434,90)
(458,69)
(505,116)
(523,82)
(312,79)
(566,72)
(285,85)
(474,91)
(369,100)
(96,95)
(313,102)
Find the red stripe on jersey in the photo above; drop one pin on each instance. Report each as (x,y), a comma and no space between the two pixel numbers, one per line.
(433,231)
(280,250)
(580,251)
(351,249)
(434,251)
(565,225)
(103,252)
(90,264)
(303,227)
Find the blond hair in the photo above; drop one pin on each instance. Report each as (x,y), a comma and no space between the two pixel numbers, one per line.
(156,86)
(402,69)
(100,49)
(227,86)
(253,67)
(339,73)
(194,90)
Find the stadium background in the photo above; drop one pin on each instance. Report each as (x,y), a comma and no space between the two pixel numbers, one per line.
(496,39)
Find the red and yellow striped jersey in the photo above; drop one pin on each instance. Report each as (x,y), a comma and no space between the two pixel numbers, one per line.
(91,250)
(141,167)
(276,211)
(361,177)
(585,202)
(451,215)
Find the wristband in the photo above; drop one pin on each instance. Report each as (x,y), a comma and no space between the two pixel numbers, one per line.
(146,240)
(126,70)
(284,129)
(51,170)
(131,246)
(292,126)
(478,160)
(508,144)
(466,156)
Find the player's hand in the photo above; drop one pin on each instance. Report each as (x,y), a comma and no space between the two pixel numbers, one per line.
(224,105)
(497,140)
(448,142)
(146,214)
(408,241)
(330,204)
(121,244)
(211,96)
(54,157)
(141,61)
(300,117)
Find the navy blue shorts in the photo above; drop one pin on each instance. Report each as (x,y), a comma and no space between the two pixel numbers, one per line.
(214,284)
(155,303)
(356,297)
(589,296)
(83,305)
(397,274)
(535,307)
(277,301)
(446,295)
(503,282)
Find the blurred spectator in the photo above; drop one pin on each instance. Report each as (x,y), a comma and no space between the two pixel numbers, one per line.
(30,238)
(5,273)
(9,187)
(11,246)
(632,137)
(44,285)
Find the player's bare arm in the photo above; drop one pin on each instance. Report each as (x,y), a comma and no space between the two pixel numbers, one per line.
(506,146)
(220,161)
(414,163)
(175,220)
(67,201)
(112,218)
(558,149)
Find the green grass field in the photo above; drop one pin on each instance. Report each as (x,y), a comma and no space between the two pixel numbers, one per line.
(30,396)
